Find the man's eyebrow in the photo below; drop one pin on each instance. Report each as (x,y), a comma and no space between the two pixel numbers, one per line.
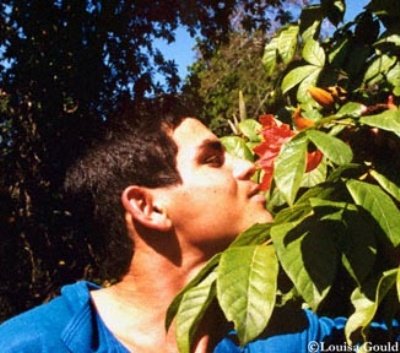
(213,144)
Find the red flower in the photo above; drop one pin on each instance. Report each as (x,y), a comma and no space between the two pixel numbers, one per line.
(275,135)
(313,160)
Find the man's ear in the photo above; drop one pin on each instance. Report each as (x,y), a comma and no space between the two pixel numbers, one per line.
(139,202)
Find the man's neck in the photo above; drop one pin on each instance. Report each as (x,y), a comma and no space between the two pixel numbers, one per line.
(135,309)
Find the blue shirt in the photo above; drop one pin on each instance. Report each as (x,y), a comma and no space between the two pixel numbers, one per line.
(70,324)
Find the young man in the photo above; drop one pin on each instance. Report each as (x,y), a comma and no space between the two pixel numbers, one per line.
(168,190)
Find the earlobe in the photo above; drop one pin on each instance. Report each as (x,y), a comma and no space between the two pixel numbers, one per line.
(139,202)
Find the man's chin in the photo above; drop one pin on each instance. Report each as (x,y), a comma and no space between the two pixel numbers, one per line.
(263,216)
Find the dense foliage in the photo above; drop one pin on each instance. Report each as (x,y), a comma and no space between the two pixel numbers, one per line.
(331,180)
(235,68)
(214,83)
(65,65)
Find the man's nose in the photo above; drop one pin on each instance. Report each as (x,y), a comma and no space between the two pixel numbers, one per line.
(242,169)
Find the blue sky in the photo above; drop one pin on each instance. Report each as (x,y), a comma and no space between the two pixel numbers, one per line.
(183,53)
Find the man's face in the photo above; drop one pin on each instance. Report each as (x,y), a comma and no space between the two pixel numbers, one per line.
(216,199)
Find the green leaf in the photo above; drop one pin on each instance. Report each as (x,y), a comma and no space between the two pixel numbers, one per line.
(355,64)
(237,147)
(365,308)
(307,252)
(317,202)
(338,54)
(332,148)
(246,288)
(334,10)
(391,38)
(385,7)
(294,213)
(351,109)
(313,53)
(295,76)
(191,310)
(255,235)
(352,229)
(270,57)
(379,67)
(275,200)
(337,173)
(251,129)
(281,48)
(381,207)
(310,22)
(322,191)
(287,43)
(387,185)
(388,120)
(315,177)
(204,273)
(393,76)
(302,92)
(290,166)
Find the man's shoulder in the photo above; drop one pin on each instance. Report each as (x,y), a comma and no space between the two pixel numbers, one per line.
(41,328)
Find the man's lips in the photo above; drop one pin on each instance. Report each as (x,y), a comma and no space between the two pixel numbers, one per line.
(255,194)
(255,190)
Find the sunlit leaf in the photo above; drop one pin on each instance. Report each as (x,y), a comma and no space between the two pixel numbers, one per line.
(204,273)
(316,176)
(255,235)
(381,207)
(236,146)
(393,76)
(366,308)
(290,166)
(191,310)
(313,53)
(379,66)
(297,75)
(302,94)
(251,129)
(389,186)
(246,288)
(351,109)
(308,255)
(391,38)
(270,57)
(332,148)
(388,120)
(293,213)
(281,48)
(287,43)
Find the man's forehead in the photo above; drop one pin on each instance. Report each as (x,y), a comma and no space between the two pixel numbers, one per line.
(191,134)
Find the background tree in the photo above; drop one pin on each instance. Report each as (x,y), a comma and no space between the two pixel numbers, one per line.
(215,79)
(65,65)
(214,83)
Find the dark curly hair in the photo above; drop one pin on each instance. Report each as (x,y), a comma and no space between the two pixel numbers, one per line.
(132,150)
